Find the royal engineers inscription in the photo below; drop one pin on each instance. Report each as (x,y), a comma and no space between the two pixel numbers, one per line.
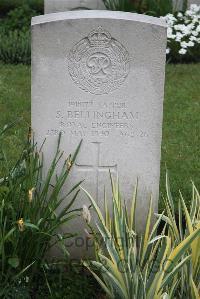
(99,63)
(99,76)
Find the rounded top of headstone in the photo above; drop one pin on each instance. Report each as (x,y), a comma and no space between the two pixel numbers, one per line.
(97,14)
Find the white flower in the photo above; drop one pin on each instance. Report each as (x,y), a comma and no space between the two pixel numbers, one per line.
(178,39)
(27,279)
(189,13)
(198,28)
(190,44)
(195,8)
(170,19)
(167,50)
(190,27)
(195,33)
(178,27)
(186,30)
(86,214)
(182,51)
(170,34)
(193,38)
(195,19)
(179,15)
(169,31)
(179,36)
(184,45)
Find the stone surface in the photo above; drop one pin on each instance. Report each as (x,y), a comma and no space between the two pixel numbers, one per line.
(178,4)
(51,6)
(99,76)
(193,2)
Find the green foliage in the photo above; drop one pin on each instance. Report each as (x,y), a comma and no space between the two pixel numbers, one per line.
(150,7)
(29,220)
(180,144)
(180,226)
(122,5)
(19,18)
(57,280)
(7,5)
(158,8)
(15,41)
(15,46)
(14,84)
(73,283)
(145,267)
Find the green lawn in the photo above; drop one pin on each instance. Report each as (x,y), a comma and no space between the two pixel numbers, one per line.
(15,105)
(181,128)
(181,137)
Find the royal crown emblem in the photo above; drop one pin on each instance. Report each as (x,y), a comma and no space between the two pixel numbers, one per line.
(98,64)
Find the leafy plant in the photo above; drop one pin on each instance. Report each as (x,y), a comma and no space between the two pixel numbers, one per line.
(71,283)
(15,47)
(158,8)
(178,231)
(19,18)
(29,217)
(129,266)
(15,41)
(122,5)
(6,6)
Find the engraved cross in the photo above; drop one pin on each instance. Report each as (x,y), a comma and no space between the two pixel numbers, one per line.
(96,167)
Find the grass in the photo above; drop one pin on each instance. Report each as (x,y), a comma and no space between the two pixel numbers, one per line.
(181,138)
(15,105)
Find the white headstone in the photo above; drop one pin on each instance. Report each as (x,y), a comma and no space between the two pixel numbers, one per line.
(179,4)
(193,2)
(99,76)
(51,6)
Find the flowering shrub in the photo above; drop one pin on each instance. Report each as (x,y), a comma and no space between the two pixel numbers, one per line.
(183,35)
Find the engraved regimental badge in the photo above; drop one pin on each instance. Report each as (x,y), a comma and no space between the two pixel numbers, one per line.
(98,63)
